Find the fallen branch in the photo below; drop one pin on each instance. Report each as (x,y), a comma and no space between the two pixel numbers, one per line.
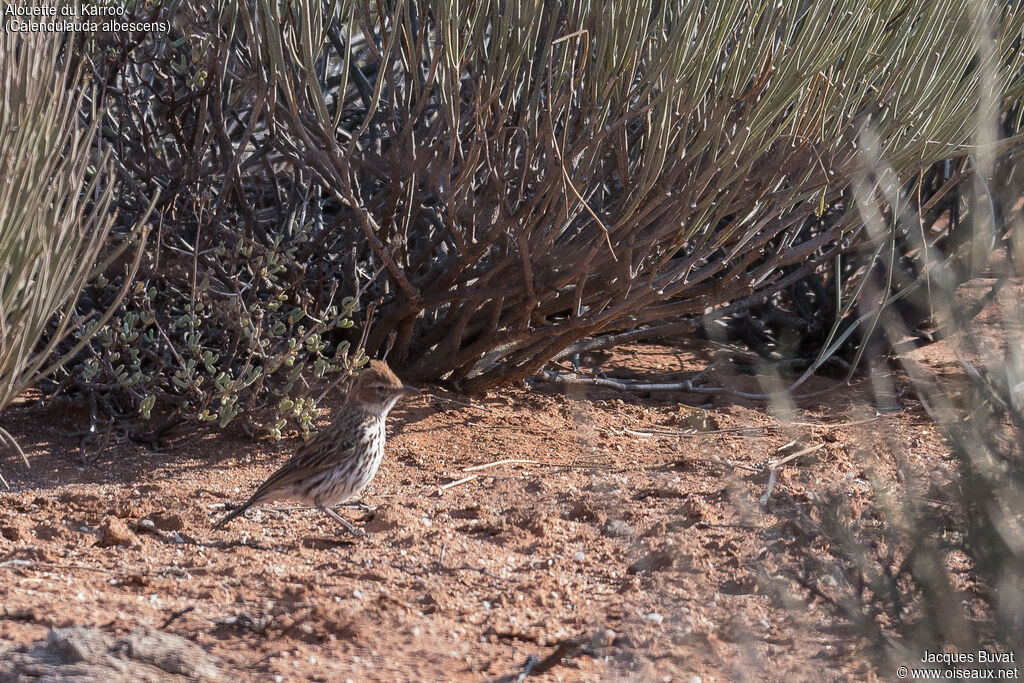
(507,461)
(452,484)
(810,449)
(685,386)
(773,474)
(620,384)
(569,647)
(32,564)
(692,431)
(778,425)
(722,525)
(773,470)
(177,614)
(483,426)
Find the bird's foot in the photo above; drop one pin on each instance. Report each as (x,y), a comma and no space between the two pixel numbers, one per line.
(352,529)
(362,507)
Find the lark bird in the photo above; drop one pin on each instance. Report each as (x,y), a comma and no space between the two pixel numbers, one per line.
(341,459)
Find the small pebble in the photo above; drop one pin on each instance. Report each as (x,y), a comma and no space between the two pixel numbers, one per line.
(655,617)
(147,524)
(579,557)
(616,528)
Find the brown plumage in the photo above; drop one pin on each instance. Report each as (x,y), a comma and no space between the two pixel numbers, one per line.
(341,459)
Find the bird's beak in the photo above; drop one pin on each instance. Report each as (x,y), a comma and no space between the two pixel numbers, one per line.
(409,391)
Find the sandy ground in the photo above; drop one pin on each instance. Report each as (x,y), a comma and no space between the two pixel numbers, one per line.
(624,531)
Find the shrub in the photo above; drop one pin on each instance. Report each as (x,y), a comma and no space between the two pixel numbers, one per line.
(55,209)
(240,341)
(508,181)
(530,174)
(232,318)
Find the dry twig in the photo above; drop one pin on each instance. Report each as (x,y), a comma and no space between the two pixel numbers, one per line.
(453,484)
(507,461)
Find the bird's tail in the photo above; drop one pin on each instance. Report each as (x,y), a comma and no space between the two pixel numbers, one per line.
(234,513)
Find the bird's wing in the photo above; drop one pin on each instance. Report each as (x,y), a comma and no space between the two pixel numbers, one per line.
(329,448)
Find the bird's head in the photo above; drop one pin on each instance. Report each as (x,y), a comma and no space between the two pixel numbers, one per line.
(377,388)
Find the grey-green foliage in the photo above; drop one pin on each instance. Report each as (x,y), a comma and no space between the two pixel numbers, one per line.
(237,341)
(240,312)
(545,171)
(55,206)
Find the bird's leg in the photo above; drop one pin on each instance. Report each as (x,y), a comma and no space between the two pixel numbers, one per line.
(342,521)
